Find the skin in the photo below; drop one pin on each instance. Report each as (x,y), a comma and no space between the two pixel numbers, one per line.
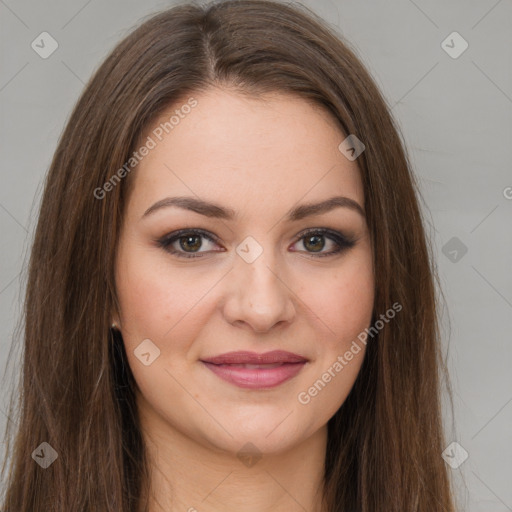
(194,423)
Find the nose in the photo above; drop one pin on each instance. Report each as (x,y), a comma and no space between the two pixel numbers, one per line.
(259,297)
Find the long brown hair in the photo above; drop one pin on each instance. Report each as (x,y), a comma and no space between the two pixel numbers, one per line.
(76,390)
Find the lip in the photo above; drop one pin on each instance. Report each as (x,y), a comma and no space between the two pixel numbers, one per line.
(245,357)
(256,371)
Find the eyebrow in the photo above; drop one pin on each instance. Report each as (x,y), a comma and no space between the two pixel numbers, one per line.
(209,209)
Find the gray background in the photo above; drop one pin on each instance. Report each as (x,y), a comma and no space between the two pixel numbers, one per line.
(455,115)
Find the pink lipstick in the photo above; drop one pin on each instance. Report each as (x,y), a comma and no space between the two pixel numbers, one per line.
(256,371)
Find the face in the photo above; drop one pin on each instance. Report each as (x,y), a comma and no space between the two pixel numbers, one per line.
(255,273)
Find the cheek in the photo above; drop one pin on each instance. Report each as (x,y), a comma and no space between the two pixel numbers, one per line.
(345,308)
(160,303)
(170,306)
(321,398)
(352,312)
(342,300)
(164,306)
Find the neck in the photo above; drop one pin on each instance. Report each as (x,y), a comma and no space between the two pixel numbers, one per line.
(187,476)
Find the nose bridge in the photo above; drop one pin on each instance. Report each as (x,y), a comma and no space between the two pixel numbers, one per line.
(262,273)
(258,296)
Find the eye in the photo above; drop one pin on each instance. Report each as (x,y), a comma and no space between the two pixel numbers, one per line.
(314,242)
(188,240)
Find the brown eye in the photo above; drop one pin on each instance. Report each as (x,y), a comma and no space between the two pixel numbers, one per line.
(314,242)
(189,242)
(192,243)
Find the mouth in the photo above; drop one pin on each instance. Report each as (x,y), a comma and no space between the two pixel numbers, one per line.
(256,371)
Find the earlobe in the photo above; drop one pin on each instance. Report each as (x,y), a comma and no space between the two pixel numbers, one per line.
(115,325)
(114,320)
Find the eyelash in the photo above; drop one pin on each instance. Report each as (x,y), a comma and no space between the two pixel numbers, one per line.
(343,243)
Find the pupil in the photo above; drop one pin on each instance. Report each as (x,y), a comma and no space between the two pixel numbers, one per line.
(316,238)
(191,245)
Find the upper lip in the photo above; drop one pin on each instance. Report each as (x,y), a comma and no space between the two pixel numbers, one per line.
(245,357)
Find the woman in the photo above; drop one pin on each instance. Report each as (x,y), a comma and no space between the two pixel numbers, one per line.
(230,301)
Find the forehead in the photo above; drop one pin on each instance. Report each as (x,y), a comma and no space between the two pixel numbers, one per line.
(246,152)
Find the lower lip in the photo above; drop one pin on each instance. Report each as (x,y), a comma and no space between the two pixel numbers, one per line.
(256,378)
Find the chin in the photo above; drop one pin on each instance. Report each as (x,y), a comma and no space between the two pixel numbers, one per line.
(267,434)
(242,445)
